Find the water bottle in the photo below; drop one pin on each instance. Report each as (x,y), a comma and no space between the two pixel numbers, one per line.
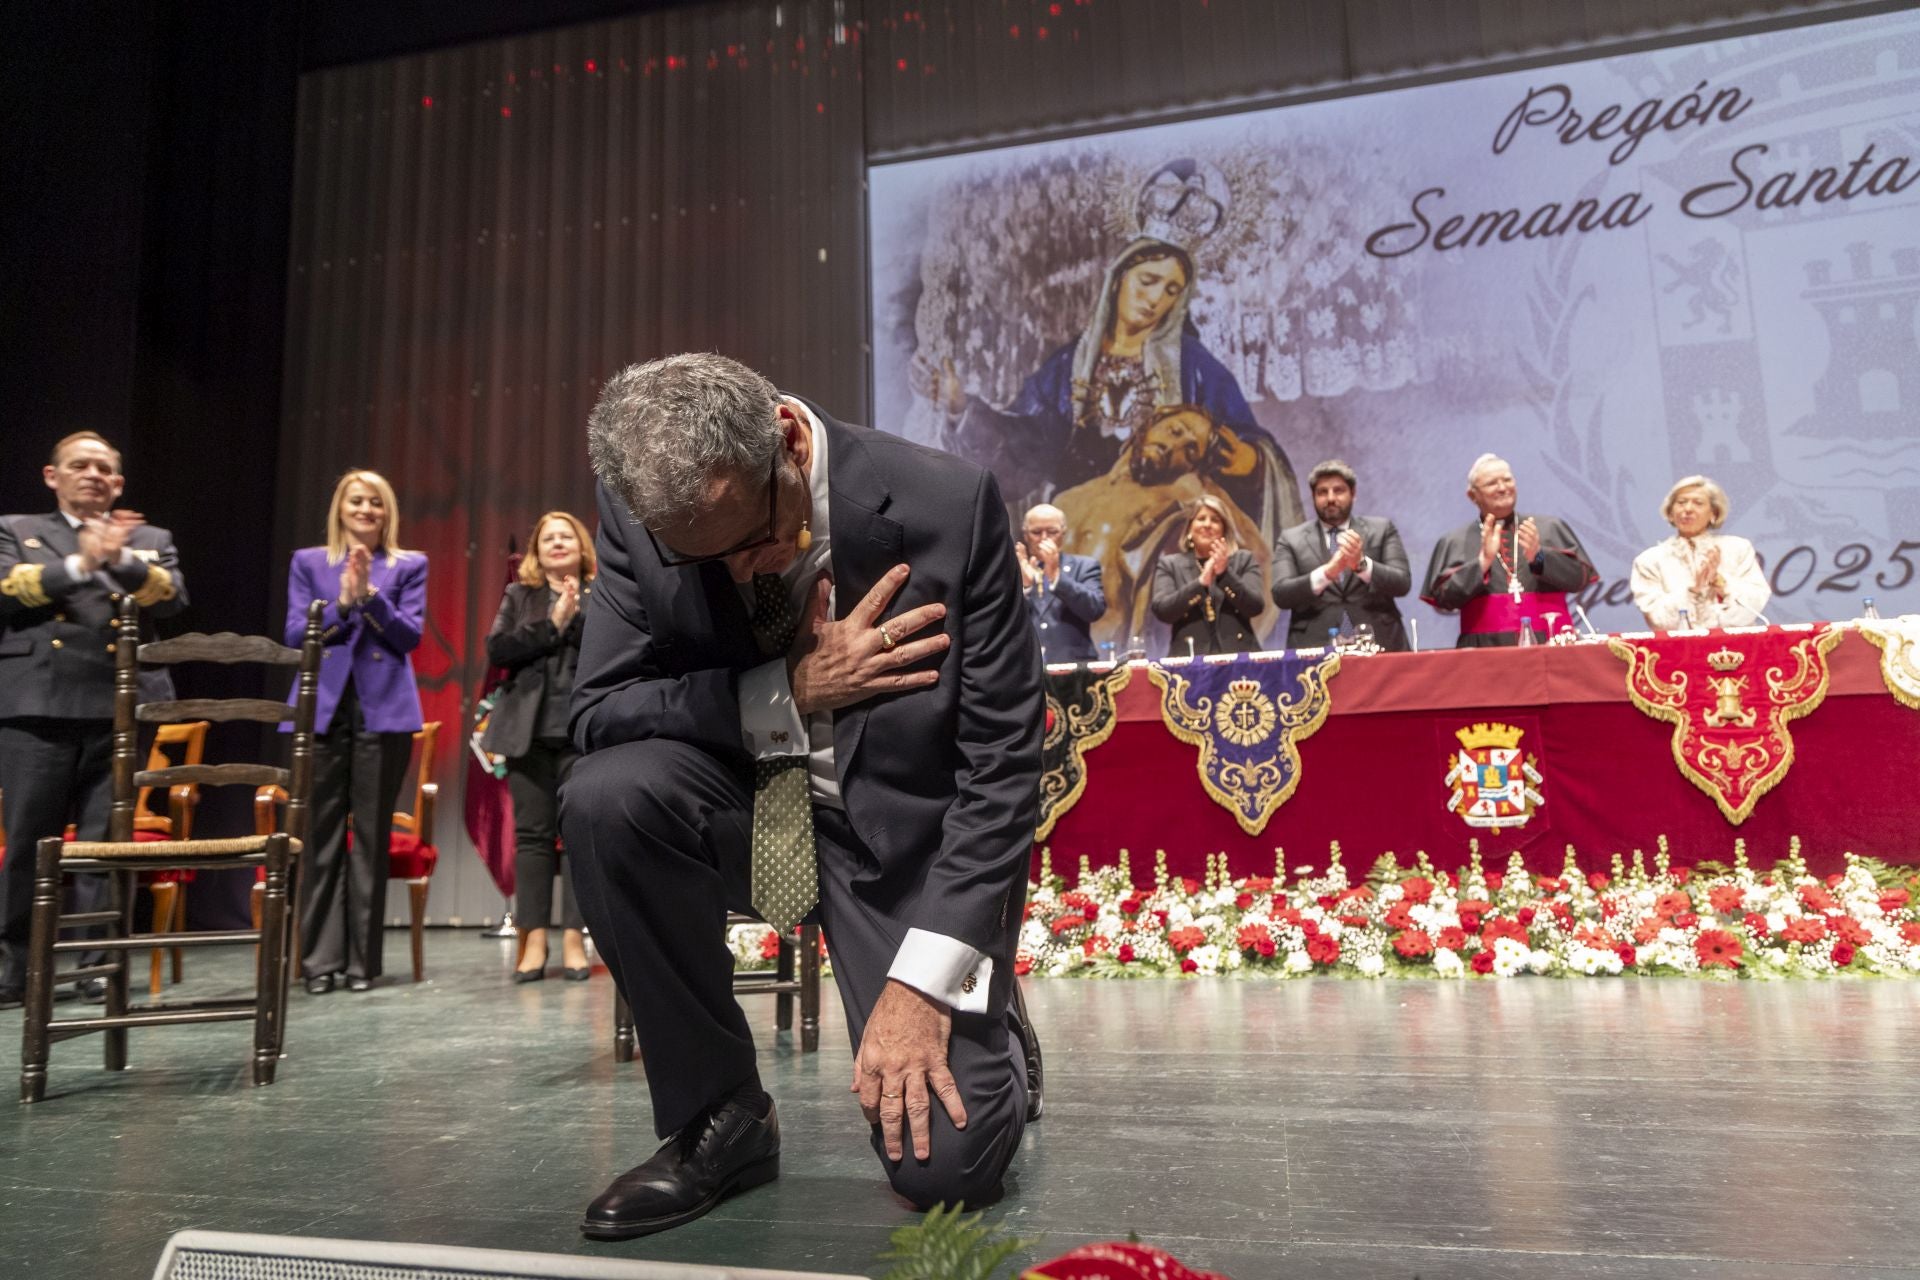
(1867,610)
(1686,621)
(1526,632)
(1136,648)
(1106,651)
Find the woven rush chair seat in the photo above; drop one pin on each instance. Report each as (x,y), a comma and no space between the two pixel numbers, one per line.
(124,857)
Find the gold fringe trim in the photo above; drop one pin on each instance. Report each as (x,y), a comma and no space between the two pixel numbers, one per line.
(157,587)
(1899,646)
(23,584)
(1187,722)
(1103,697)
(1810,654)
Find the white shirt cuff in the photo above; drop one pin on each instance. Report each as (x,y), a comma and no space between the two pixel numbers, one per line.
(944,968)
(1318,579)
(770,723)
(73,566)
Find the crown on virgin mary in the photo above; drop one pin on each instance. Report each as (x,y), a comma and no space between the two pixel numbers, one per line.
(1182,202)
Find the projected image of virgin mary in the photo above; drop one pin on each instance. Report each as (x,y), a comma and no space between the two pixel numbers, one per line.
(1139,354)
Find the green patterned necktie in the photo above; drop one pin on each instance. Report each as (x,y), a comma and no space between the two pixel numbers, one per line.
(785,873)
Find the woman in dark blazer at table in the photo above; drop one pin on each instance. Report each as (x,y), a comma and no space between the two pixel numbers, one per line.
(368,712)
(536,637)
(1210,590)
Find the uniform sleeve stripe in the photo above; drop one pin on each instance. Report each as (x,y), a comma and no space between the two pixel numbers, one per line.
(23,584)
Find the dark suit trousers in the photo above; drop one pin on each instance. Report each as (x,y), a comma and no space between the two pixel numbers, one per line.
(52,772)
(343,893)
(534,781)
(659,834)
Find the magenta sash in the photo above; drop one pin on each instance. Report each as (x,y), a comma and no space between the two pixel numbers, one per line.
(1501,612)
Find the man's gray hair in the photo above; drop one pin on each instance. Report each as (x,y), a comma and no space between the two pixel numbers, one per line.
(1481,463)
(1333,467)
(664,430)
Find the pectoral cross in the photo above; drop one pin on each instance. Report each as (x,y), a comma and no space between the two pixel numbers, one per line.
(1513,567)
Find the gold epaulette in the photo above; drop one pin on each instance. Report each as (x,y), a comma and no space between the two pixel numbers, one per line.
(23,584)
(157,587)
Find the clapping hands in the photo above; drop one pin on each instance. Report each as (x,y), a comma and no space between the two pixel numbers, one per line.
(566,603)
(355,576)
(102,538)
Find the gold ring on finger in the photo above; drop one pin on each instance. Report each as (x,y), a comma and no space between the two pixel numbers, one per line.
(887,642)
(889,1095)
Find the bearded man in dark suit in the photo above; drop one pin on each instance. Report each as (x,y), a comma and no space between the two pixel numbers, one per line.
(808,686)
(1340,568)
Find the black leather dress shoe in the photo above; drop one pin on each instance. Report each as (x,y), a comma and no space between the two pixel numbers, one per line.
(93,990)
(320,984)
(359,984)
(728,1151)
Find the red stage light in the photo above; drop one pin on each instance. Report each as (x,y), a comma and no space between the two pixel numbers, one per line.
(506,112)
(592,66)
(900,65)
(427,102)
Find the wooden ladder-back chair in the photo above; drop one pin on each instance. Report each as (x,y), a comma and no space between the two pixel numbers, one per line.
(169,888)
(795,972)
(122,858)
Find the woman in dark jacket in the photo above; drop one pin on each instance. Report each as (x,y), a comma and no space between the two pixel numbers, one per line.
(536,637)
(1210,591)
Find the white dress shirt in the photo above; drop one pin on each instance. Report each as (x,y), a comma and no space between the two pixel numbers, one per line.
(944,968)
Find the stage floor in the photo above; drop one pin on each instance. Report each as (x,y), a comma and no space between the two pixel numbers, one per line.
(1317,1128)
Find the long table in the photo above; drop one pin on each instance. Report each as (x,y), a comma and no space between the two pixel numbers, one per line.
(1374,775)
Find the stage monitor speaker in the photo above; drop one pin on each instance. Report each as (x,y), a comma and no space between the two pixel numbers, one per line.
(223,1255)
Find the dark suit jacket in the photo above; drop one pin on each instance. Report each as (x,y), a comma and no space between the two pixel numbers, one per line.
(522,639)
(1314,618)
(942,783)
(372,643)
(1063,612)
(57,632)
(1237,597)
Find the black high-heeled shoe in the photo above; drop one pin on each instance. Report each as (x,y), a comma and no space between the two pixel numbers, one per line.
(529,975)
(577,975)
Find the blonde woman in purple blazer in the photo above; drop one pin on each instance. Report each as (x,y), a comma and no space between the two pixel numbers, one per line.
(369,709)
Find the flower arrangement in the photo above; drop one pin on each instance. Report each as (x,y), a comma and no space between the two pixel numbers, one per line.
(1711,919)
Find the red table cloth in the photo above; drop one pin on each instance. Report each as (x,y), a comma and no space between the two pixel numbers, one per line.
(1375,776)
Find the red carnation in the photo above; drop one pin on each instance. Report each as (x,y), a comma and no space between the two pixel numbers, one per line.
(1096,945)
(1243,900)
(1400,916)
(1755,922)
(1416,889)
(1323,950)
(1682,875)
(1067,923)
(1562,912)
(1804,929)
(1525,916)
(1672,904)
(1470,921)
(1549,884)
(1324,902)
(1893,900)
(1475,905)
(1495,879)
(1910,933)
(1285,914)
(1191,885)
(1847,929)
(1727,899)
(1189,966)
(1131,904)
(1817,898)
(1598,882)
(1023,964)
(1842,954)
(1717,948)
(1080,902)
(1125,954)
(1609,908)
(1161,916)
(1628,956)
(1833,879)
(1185,940)
(1413,944)
(1453,939)
(770,946)
(1502,928)
(1353,922)
(1358,891)
(1257,884)
(1482,962)
(1310,926)
(1686,920)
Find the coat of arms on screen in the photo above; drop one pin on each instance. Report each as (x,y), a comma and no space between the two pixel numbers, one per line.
(1493,782)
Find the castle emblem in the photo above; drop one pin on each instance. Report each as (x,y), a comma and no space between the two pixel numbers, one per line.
(1494,783)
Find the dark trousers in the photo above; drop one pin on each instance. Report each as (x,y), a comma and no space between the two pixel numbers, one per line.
(343,892)
(659,834)
(534,781)
(52,772)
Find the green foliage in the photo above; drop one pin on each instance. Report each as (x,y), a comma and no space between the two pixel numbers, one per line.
(949,1245)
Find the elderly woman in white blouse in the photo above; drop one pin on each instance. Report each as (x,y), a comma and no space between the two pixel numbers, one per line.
(1711,578)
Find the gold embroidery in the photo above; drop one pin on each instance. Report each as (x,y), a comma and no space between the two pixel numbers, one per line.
(157,587)
(1084,728)
(1898,640)
(23,584)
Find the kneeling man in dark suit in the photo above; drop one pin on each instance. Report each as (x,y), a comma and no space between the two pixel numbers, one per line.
(808,687)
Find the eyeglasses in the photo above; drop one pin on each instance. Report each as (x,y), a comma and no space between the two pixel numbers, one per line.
(674,560)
